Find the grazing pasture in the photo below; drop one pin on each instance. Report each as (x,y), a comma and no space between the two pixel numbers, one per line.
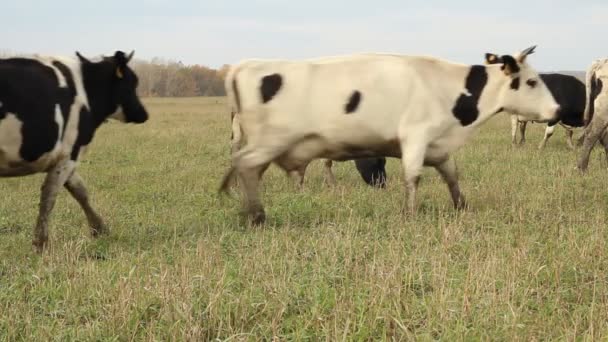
(527,261)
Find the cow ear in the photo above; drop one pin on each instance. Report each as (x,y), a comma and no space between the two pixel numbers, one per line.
(82,59)
(492,59)
(120,58)
(121,62)
(509,65)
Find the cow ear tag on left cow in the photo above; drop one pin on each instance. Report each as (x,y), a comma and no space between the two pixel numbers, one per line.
(118,73)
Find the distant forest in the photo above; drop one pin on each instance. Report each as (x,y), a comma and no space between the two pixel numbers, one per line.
(163,78)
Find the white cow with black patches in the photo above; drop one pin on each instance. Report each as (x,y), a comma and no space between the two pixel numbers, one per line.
(50,108)
(420,109)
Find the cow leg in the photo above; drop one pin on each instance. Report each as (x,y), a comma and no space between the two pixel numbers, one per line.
(581,138)
(548,133)
(604,141)
(413,162)
(522,131)
(569,140)
(298,176)
(55,179)
(250,179)
(449,173)
(79,192)
(250,164)
(514,124)
(329,175)
(592,134)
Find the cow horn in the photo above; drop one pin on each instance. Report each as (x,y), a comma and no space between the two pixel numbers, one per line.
(130,55)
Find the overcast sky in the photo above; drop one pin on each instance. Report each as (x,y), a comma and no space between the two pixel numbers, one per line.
(570,34)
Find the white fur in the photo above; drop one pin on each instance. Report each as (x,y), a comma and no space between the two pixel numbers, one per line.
(10,140)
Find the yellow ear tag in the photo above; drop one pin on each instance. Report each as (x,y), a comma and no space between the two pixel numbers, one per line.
(492,58)
(118,73)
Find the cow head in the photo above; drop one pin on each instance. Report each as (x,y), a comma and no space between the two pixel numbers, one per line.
(524,93)
(111,87)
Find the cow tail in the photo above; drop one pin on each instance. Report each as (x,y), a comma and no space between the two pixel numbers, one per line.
(591,84)
(227,180)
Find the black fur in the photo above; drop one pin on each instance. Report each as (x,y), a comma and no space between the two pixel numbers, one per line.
(86,130)
(515,83)
(569,92)
(270,86)
(510,63)
(353,102)
(465,109)
(372,171)
(66,95)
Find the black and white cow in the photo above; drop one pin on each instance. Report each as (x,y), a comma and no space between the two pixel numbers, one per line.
(419,109)
(596,111)
(569,92)
(50,108)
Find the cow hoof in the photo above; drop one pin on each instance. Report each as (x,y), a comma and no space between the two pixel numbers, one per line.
(99,231)
(462,205)
(257,218)
(39,245)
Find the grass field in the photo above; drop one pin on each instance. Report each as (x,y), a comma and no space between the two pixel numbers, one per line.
(527,261)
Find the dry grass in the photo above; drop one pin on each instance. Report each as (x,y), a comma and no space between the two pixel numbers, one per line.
(528,261)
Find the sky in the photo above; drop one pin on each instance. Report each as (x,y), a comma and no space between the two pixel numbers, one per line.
(569,34)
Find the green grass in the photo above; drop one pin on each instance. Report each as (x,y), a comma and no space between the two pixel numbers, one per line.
(527,261)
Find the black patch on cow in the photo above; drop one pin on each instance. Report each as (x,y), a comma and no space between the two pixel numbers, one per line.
(270,86)
(531,83)
(237,95)
(65,95)
(465,109)
(510,63)
(515,83)
(86,131)
(569,93)
(28,89)
(2,111)
(353,102)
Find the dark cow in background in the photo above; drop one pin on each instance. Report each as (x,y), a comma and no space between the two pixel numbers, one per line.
(596,111)
(50,108)
(569,92)
(371,170)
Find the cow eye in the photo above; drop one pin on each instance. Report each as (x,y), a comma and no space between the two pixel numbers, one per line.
(532,83)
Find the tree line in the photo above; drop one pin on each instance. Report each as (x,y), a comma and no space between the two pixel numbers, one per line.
(165,78)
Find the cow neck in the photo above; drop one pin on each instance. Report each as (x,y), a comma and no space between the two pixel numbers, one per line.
(98,78)
(488,103)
